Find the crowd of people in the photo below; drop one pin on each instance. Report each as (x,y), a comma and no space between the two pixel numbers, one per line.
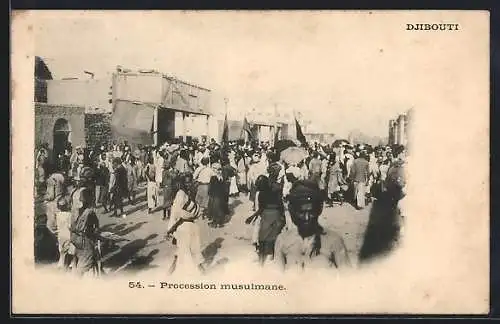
(195,180)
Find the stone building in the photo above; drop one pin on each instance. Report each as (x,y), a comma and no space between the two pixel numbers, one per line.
(142,107)
(55,124)
(98,129)
(95,95)
(59,125)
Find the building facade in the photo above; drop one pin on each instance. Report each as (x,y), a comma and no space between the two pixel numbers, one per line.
(59,125)
(93,94)
(161,105)
(142,107)
(400,129)
(263,126)
(149,107)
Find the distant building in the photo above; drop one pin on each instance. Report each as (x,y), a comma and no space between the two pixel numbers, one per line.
(399,129)
(326,138)
(263,126)
(391,139)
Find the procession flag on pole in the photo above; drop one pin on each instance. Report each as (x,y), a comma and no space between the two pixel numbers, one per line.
(300,136)
(246,128)
(225,131)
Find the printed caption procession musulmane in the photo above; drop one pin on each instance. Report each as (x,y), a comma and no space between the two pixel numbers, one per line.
(212,286)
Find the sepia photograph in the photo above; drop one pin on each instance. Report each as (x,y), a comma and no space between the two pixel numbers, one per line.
(232,162)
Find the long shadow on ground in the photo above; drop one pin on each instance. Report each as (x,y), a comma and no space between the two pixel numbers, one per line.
(232,208)
(142,262)
(127,254)
(211,250)
(382,231)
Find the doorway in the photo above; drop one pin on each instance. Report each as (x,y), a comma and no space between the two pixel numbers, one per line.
(166,125)
(61,136)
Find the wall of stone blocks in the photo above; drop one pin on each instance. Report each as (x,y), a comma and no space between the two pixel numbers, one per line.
(98,129)
(46,117)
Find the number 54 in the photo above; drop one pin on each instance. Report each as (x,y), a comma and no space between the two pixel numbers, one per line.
(132,284)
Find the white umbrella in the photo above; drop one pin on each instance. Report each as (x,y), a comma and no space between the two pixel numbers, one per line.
(293,155)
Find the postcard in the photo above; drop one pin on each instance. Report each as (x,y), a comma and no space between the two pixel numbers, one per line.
(250,162)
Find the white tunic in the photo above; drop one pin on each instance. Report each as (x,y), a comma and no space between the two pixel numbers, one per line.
(187,235)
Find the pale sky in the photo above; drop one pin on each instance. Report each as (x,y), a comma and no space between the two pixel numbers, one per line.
(342,70)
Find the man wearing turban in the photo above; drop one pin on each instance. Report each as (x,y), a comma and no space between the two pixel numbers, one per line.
(308,244)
